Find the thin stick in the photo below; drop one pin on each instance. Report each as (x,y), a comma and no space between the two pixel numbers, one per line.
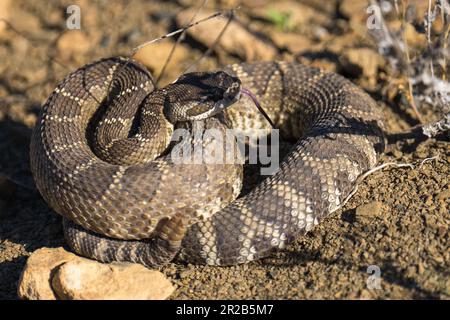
(180,38)
(171,34)
(408,61)
(369,172)
(427,160)
(216,41)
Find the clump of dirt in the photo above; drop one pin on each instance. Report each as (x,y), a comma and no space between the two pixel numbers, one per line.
(390,241)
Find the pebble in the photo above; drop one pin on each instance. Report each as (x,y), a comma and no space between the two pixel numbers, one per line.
(362,60)
(293,42)
(235,40)
(369,209)
(54,273)
(444,194)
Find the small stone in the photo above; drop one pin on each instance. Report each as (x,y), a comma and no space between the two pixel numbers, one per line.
(272,274)
(72,43)
(5,6)
(413,37)
(397,153)
(410,271)
(365,295)
(369,209)
(185,274)
(34,283)
(155,55)
(442,231)
(420,268)
(84,279)
(352,8)
(235,40)
(362,60)
(444,194)
(429,200)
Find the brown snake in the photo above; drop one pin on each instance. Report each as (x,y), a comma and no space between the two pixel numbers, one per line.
(99,158)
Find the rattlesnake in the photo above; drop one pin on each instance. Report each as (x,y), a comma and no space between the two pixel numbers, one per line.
(94,158)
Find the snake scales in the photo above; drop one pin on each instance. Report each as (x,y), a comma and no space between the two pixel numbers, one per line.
(98,158)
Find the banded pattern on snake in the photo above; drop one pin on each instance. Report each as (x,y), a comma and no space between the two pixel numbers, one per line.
(98,158)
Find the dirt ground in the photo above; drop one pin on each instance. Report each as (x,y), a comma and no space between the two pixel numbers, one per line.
(397,222)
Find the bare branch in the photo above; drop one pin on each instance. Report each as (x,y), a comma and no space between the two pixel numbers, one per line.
(180,38)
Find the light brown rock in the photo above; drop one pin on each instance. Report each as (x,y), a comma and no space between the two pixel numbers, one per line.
(444,194)
(235,40)
(354,9)
(34,283)
(84,279)
(5,8)
(413,37)
(364,59)
(72,43)
(369,209)
(291,41)
(154,56)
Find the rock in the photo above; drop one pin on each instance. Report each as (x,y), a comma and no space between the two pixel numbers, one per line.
(443,195)
(420,268)
(362,60)
(235,40)
(185,274)
(366,295)
(397,153)
(429,201)
(54,273)
(356,12)
(85,279)
(154,56)
(34,283)
(369,209)
(353,8)
(7,188)
(25,21)
(5,8)
(72,44)
(272,274)
(291,41)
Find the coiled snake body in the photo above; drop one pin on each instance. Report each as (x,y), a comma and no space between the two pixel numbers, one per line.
(95,158)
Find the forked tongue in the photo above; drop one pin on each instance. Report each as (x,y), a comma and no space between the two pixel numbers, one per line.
(255,101)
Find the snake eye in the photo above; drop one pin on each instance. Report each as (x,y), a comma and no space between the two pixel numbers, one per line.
(233,91)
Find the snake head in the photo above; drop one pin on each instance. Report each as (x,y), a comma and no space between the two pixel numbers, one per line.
(200,95)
